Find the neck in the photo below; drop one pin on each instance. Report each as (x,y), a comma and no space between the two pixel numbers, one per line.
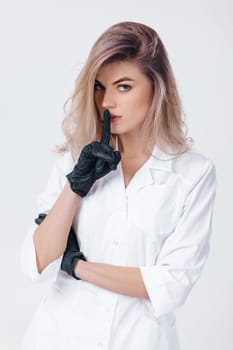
(132,146)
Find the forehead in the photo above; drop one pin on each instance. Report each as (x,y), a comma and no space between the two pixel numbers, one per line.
(118,69)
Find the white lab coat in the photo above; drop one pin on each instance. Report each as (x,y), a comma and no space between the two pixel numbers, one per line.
(161,223)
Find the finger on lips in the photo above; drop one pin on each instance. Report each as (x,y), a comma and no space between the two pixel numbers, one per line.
(105,138)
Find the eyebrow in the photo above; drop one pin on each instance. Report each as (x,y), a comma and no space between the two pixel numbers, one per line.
(117,81)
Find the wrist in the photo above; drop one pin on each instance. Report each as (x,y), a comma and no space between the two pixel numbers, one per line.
(68,189)
(74,188)
(78,268)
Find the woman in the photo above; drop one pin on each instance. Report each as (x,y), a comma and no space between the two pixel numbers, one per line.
(131,198)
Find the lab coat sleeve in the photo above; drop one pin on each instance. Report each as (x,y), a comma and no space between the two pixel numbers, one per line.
(46,200)
(185,251)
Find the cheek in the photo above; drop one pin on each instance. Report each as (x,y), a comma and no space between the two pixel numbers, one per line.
(97,99)
(98,103)
(142,103)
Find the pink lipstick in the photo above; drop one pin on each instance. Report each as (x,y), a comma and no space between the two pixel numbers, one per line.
(115,118)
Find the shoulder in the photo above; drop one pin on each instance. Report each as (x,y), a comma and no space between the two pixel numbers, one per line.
(192,166)
(64,162)
(62,165)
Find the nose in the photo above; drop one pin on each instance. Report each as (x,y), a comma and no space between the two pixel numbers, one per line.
(108,101)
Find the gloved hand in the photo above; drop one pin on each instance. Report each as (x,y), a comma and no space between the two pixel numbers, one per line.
(72,252)
(96,160)
(40,218)
(71,255)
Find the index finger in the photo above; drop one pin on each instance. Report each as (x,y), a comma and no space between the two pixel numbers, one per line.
(105,138)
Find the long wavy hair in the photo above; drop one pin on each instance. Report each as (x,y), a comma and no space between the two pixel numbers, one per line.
(164,124)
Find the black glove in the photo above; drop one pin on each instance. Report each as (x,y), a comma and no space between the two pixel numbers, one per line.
(40,218)
(96,160)
(71,255)
(72,252)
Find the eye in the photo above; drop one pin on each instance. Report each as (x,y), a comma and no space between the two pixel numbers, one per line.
(124,87)
(98,86)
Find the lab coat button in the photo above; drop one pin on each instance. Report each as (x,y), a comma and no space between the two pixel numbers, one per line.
(107,309)
(115,243)
(100,345)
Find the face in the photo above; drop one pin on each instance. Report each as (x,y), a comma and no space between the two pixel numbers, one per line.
(126,92)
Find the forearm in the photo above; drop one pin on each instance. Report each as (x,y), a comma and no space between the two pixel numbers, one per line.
(124,280)
(50,237)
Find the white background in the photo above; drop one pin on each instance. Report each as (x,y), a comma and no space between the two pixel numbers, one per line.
(43,44)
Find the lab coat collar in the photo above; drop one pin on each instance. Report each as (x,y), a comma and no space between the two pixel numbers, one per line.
(155,171)
(161,166)
(161,160)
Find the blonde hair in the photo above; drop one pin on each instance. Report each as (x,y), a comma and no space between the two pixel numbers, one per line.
(141,44)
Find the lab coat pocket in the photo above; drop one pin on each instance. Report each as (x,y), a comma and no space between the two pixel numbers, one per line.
(62,298)
(165,321)
(66,302)
(71,291)
(155,211)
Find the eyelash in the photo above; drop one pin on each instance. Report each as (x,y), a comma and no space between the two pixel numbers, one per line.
(124,85)
(98,87)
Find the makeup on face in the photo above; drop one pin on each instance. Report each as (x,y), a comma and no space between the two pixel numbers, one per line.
(123,89)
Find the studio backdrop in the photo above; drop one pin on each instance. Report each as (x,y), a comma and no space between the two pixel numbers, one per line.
(43,47)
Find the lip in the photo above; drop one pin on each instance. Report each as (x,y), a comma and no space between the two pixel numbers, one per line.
(115,118)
